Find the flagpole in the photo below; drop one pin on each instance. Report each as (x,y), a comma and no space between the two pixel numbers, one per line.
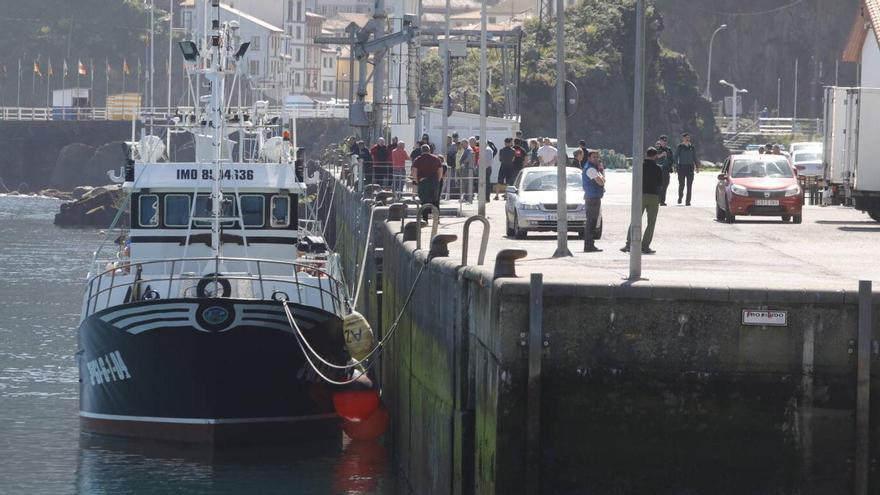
(124,65)
(18,89)
(107,74)
(34,80)
(63,89)
(48,82)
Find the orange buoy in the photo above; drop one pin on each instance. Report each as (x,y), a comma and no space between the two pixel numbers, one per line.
(370,428)
(356,405)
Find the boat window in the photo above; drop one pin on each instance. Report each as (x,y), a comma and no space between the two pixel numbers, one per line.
(177,208)
(204,208)
(148,210)
(280,211)
(252,206)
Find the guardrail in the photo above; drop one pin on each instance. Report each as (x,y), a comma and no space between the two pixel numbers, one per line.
(157,113)
(157,279)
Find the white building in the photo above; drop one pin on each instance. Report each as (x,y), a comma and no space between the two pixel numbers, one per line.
(328,72)
(263,62)
(863,45)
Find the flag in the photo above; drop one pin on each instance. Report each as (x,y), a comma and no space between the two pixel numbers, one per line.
(139,67)
(64,69)
(37,69)
(4,72)
(108,69)
(125,68)
(49,68)
(80,68)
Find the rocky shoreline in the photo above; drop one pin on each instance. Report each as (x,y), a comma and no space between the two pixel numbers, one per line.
(86,206)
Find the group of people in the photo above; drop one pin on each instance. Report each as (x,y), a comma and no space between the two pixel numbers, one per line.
(660,162)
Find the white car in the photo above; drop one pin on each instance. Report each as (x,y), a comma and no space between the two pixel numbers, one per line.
(795,147)
(808,162)
(532,203)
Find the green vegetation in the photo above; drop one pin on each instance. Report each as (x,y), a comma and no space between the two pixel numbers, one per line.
(600,41)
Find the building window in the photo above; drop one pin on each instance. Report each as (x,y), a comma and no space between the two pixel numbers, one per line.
(254,67)
(255,43)
(177,210)
(289,10)
(148,211)
(296,80)
(299,10)
(299,32)
(297,55)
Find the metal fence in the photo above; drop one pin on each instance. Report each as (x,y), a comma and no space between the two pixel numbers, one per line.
(157,113)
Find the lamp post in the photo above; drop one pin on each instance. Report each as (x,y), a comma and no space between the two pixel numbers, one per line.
(736,91)
(708,94)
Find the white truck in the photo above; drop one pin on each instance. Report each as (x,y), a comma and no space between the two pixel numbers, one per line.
(852,148)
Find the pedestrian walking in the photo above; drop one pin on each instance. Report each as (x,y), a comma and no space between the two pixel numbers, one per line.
(427,171)
(464,161)
(492,151)
(547,154)
(666,161)
(593,182)
(398,166)
(686,165)
(651,185)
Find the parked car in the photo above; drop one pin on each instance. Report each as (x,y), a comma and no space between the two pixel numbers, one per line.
(795,147)
(758,185)
(808,162)
(532,203)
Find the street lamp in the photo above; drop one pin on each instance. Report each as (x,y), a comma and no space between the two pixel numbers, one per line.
(708,94)
(736,91)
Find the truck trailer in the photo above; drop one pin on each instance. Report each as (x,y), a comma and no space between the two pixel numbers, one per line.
(852,148)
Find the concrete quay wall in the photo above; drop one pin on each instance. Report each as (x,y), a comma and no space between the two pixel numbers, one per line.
(643,389)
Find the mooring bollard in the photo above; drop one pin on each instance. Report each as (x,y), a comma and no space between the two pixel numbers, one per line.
(382,197)
(505,262)
(412,232)
(396,212)
(440,245)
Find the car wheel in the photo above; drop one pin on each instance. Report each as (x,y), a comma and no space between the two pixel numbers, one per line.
(875,215)
(509,228)
(729,217)
(786,218)
(597,234)
(517,233)
(719,214)
(798,219)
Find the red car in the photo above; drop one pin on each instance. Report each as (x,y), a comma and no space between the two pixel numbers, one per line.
(758,185)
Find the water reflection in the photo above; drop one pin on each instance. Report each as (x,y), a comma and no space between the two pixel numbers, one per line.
(117,466)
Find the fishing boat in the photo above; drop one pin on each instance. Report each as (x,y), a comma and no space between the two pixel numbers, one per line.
(219,316)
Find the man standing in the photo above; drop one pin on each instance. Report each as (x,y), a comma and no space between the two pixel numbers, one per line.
(506,155)
(398,164)
(547,154)
(665,160)
(686,166)
(427,170)
(651,186)
(519,160)
(594,188)
(381,156)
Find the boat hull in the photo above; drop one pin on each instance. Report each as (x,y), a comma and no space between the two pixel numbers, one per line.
(213,371)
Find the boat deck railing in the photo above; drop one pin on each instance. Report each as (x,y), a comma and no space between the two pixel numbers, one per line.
(307,282)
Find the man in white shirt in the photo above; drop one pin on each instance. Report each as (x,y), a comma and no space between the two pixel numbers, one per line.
(547,154)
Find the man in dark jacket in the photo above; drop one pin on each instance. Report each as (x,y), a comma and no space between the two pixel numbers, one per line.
(686,166)
(381,157)
(666,161)
(651,183)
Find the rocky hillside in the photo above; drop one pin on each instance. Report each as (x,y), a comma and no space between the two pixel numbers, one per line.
(761,44)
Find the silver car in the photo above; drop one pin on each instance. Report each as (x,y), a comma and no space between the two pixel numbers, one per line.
(532,203)
(808,162)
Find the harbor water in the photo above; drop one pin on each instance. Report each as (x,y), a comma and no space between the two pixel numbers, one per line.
(42,274)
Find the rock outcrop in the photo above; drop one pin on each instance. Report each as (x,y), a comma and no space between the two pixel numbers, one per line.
(96,207)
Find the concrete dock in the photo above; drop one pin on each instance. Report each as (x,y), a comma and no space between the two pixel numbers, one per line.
(833,248)
(585,382)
